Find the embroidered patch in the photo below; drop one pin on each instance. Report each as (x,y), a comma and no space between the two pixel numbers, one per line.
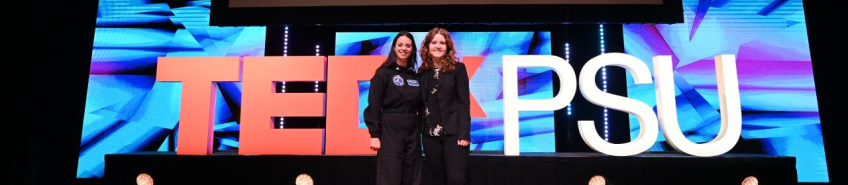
(412,82)
(398,80)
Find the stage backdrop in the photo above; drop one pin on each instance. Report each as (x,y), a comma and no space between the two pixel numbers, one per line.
(537,128)
(769,38)
(126,110)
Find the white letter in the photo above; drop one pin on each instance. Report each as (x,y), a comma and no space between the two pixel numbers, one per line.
(647,120)
(731,112)
(510,93)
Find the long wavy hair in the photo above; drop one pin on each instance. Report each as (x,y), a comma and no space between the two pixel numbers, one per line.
(448,62)
(412,60)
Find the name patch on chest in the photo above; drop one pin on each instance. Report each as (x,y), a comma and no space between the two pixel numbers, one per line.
(412,82)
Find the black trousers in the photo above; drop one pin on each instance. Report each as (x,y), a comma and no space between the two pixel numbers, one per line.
(447,160)
(399,157)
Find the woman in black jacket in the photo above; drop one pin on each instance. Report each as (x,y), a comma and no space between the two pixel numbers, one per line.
(394,99)
(447,117)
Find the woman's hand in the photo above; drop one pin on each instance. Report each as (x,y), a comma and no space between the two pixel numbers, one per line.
(375,144)
(463,142)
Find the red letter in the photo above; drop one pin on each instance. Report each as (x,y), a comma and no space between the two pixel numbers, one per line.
(198,75)
(343,135)
(260,103)
(472,64)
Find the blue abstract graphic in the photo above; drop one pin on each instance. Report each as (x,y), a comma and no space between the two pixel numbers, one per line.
(769,38)
(126,109)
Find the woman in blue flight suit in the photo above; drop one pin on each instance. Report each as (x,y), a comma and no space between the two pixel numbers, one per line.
(447,132)
(394,99)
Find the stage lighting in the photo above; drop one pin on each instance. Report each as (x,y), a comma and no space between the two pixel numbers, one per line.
(597,180)
(144,179)
(750,180)
(303,179)
(317,50)
(604,77)
(568,59)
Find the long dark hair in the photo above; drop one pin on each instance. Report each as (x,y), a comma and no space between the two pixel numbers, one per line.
(412,60)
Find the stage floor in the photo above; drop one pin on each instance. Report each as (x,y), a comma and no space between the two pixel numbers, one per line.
(485,168)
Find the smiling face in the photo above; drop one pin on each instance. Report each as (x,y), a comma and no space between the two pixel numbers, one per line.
(438,51)
(437,46)
(403,48)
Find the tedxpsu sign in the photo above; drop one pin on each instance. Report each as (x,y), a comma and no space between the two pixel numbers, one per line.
(260,103)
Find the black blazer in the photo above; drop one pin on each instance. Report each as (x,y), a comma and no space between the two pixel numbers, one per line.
(453,97)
